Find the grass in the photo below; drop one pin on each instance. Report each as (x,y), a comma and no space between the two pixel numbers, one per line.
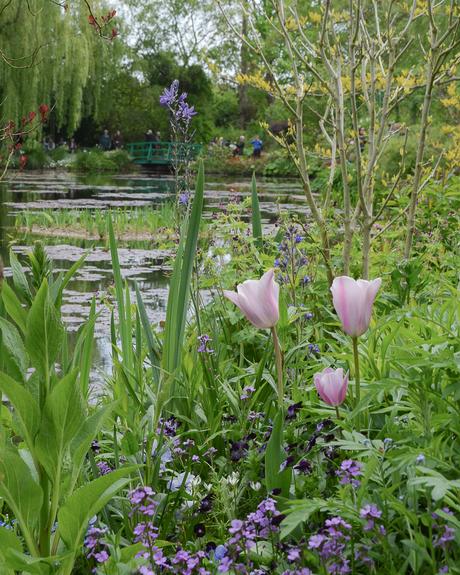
(127,223)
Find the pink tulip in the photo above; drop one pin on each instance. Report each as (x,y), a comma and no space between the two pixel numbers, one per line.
(353,300)
(258,300)
(331,385)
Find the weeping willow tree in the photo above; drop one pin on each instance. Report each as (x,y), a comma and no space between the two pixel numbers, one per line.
(50,54)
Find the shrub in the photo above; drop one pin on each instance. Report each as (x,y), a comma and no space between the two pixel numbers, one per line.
(99,161)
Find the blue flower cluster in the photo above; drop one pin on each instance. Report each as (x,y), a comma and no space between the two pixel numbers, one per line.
(177,104)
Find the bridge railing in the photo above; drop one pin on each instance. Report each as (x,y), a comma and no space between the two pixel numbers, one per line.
(162,152)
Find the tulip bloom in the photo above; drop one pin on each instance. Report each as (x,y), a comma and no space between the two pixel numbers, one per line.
(258,300)
(353,300)
(332,385)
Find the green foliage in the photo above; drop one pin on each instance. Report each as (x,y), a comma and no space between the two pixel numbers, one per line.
(280,165)
(43,450)
(52,56)
(99,161)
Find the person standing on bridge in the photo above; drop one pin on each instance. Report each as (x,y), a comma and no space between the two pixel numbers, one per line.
(117,141)
(105,141)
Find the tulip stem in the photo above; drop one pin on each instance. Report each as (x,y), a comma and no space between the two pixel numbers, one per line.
(357,378)
(279,366)
(337,411)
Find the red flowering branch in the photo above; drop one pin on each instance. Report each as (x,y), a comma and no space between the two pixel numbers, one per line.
(13,136)
(101,23)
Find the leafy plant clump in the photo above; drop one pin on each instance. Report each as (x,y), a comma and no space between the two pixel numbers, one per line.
(98,161)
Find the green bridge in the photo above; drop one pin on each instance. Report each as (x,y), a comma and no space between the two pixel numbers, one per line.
(162,153)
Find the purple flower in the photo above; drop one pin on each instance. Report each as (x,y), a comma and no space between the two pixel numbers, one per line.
(169,95)
(313,348)
(185,112)
(316,541)
(247,392)
(204,341)
(104,467)
(348,472)
(293,554)
(184,198)
(370,512)
(292,410)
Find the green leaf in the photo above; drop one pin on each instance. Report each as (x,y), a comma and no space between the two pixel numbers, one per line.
(84,349)
(274,457)
(20,491)
(59,287)
(44,331)
(14,356)
(63,416)
(20,282)
(13,307)
(256,219)
(125,334)
(86,502)
(26,410)
(297,514)
(130,443)
(27,564)
(9,540)
(81,442)
(151,348)
(179,287)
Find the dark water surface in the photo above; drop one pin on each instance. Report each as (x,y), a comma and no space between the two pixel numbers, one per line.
(53,190)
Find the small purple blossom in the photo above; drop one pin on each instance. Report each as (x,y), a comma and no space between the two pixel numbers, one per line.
(370,513)
(349,471)
(247,392)
(204,341)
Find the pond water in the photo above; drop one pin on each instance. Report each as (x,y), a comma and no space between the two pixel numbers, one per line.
(52,190)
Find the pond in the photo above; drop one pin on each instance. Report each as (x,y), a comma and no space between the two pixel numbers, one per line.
(140,262)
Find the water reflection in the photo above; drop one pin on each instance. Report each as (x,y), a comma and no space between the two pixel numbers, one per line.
(139,262)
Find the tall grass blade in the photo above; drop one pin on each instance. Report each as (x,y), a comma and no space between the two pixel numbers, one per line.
(123,322)
(179,290)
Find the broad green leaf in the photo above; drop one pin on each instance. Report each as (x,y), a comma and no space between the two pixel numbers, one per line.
(14,352)
(44,331)
(9,540)
(297,514)
(63,416)
(87,501)
(26,410)
(25,564)
(81,442)
(17,487)
(13,307)
(274,457)
(20,282)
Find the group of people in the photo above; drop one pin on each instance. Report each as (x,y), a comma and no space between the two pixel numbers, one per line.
(152,137)
(108,142)
(238,146)
(49,144)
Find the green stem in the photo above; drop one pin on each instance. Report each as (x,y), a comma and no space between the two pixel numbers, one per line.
(337,411)
(44,538)
(279,366)
(357,377)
